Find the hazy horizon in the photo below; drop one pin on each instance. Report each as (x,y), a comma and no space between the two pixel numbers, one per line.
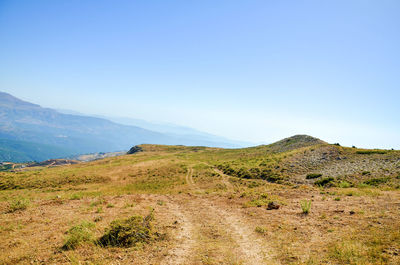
(254,71)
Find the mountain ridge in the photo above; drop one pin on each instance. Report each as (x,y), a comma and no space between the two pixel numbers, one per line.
(28,122)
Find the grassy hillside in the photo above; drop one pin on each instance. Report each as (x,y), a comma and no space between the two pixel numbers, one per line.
(296,203)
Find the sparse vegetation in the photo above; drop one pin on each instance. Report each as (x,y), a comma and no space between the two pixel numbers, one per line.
(78,235)
(305,206)
(205,212)
(370,152)
(376,181)
(261,230)
(344,184)
(313,175)
(18,204)
(129,232)
(324,182)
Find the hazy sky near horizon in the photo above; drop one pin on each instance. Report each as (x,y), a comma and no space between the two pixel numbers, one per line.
(248,70)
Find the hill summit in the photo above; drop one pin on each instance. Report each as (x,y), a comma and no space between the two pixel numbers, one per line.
(294,142)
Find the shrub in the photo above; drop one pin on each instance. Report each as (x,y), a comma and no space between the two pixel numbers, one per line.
(274,178)
(324,182)
(129,232)
(313,176)
(134,150)
(78,235)
(305,206)
(345,184)
(376,181)
(76,196)
(370,152)
(257,202)
(261,230)
(18,204)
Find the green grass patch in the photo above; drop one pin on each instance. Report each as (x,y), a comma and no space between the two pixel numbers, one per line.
(368,246)
(18,204)
(344,184)
(259,200)
(324,182)
(130,232)
(313,176)
(305,206)
(261,230)
(78,235)
(376,181)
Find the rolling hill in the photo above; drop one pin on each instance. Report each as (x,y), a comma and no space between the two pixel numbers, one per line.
(296,201)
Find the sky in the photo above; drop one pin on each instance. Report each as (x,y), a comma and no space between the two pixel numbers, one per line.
(248,70)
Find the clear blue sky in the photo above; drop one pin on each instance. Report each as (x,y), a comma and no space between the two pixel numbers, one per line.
(248,70)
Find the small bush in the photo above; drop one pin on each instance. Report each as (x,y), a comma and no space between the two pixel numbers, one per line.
(78,235)
(324,182)
(370,152)
(129,232)
(257,202)
(76,196)
(261,230)
(313,176)
(376,181)
(345,184)
(305,206)
(18,204)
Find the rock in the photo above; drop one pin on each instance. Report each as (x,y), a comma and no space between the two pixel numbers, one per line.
(273,206)
(352,212)
(134,149)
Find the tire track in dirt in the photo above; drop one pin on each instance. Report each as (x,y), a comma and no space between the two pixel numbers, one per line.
(249,245)
(182,251)
(189,177)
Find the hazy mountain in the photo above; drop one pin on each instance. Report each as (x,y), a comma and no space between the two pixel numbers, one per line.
(170,129)
(76,134)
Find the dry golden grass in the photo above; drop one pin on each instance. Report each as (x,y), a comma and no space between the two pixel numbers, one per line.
(207,217)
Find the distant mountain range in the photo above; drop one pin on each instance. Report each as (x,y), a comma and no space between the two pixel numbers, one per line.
(29,132)
(170,129)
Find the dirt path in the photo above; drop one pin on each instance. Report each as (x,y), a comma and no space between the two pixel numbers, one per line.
(250,245)
(182,251)
(189,177)
(216,233)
